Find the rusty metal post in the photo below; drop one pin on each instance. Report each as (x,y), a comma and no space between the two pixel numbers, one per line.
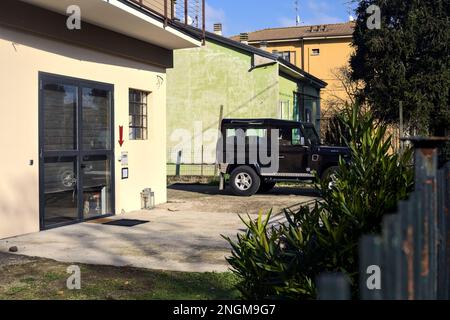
(407,233)
(391,257)
(444,232)
(426,216)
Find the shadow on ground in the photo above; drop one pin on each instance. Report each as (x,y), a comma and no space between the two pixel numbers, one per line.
(214,190)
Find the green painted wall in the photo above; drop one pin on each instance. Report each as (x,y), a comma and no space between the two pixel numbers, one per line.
(288,88)
(205,78)
(292,107)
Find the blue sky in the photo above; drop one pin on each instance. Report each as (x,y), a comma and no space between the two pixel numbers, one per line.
(249,15)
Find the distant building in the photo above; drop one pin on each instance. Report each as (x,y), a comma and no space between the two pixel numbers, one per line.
(226,78)
(319,50)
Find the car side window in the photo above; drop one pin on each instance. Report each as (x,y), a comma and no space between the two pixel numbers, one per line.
(260,133)
(291,137)
(231,133)
(285,136)
(297,137)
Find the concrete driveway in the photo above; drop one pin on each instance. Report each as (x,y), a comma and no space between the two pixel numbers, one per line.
(182,235)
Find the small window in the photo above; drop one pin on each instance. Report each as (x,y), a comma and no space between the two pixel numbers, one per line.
(285,110)
(308,115)
(315,52)
(138,114)
(285,55)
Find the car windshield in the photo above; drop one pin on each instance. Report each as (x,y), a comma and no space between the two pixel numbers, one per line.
(311,135)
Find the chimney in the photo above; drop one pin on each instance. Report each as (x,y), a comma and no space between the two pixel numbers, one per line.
(218,29)
(243,37)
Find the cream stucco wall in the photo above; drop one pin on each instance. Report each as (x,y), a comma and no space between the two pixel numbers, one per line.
(22,57)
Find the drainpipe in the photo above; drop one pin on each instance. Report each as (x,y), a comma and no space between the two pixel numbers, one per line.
(302,41)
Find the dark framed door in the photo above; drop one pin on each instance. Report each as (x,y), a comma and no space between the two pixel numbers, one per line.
(292,152)
(76,165)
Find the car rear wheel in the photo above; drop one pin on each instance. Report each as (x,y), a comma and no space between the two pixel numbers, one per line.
(266,186)
(244,181)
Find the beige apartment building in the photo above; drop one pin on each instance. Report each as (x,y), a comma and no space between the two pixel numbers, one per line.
(319,50)
(83,111)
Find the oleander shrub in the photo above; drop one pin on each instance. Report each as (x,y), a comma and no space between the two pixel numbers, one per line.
(281,261)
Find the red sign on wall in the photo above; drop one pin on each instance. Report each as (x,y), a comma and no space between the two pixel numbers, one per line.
(121,141)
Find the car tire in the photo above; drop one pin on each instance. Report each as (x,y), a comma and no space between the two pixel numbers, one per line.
(244,181)
(328,176)
(266,186)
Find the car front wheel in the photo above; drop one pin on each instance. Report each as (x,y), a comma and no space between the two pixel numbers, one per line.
(244,181)
(329,176)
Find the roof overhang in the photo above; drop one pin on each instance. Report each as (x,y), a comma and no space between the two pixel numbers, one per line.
(300,39)
(123,17)
(301,76)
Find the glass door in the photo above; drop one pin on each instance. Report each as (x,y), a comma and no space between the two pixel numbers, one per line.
(76,155)
(96,151)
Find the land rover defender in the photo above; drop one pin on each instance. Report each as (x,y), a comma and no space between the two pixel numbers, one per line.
(258,153)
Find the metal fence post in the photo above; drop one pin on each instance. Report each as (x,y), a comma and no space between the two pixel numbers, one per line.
(178,165)
(202,160)
(370,256)
(444,232)
(391,257)
(333,286)
(427,235)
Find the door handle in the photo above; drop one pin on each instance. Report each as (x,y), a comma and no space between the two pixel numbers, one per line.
(281,157)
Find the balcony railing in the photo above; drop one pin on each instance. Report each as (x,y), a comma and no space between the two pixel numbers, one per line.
(188,12)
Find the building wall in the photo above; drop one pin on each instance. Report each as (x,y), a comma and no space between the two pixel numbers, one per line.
(334,53)
(290,92)
(204,79)
(287,97)
(23,57)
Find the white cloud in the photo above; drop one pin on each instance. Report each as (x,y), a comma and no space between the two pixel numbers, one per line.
(319,12)
(214,15)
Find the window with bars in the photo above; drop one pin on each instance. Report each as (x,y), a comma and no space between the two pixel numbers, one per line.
(138,114)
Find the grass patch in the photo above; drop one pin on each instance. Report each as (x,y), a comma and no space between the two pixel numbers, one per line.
(46,279)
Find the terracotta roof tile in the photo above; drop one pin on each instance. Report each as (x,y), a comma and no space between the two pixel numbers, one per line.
(337,29)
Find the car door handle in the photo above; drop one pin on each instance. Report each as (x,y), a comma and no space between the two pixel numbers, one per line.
(281,157)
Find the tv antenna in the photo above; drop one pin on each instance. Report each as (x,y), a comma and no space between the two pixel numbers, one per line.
(297,16)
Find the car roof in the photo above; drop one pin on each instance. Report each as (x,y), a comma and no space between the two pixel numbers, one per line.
(262,122)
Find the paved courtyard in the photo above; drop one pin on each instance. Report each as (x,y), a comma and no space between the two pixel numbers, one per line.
(181,235)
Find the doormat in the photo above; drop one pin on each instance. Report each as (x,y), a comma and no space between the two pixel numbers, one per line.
(100,221)
(125,222)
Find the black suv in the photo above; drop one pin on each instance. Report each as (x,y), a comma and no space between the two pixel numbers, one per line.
(257,153)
